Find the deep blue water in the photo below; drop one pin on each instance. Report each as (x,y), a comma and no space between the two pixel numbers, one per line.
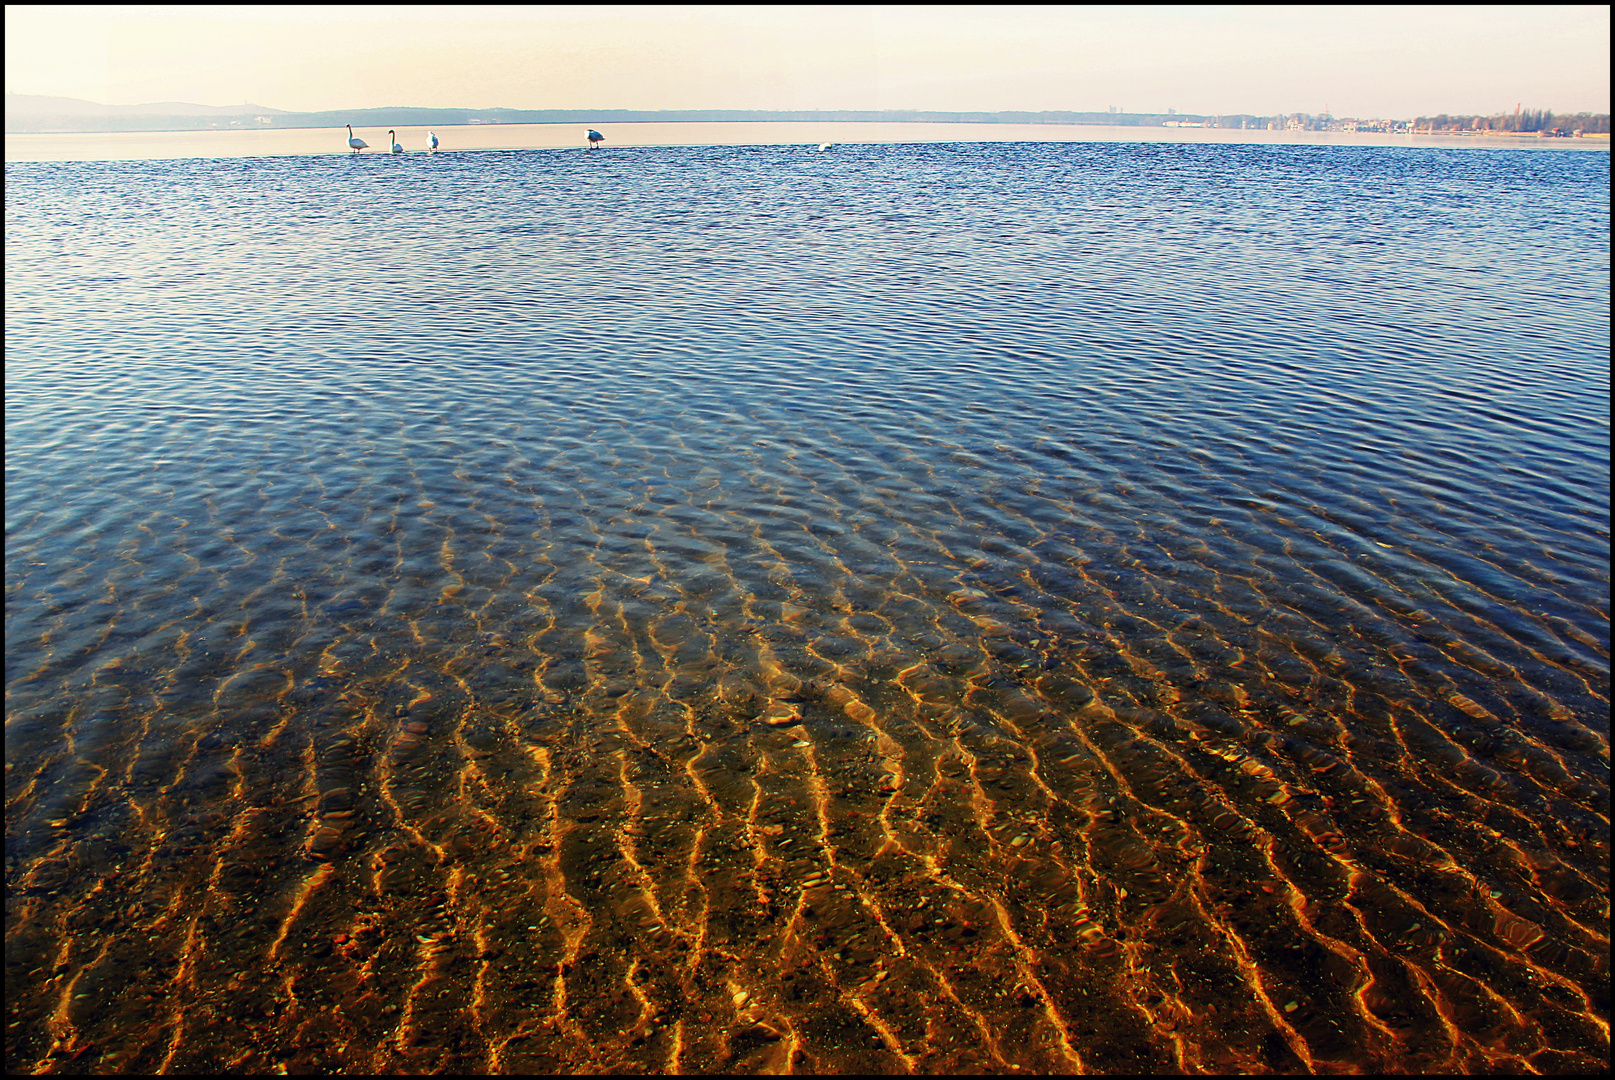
(1195,515)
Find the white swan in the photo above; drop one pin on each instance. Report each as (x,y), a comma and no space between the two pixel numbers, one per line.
(358,144)
(825,146)
(595,137)
(431,140)
(398,147)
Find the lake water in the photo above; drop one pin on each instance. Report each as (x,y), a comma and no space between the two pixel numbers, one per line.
(951,607)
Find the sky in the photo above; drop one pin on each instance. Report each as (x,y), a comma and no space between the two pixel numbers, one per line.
(1363,62)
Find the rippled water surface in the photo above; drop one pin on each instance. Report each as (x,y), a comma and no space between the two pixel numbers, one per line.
(945,608)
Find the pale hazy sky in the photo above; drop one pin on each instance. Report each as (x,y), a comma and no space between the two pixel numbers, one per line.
(1381,61)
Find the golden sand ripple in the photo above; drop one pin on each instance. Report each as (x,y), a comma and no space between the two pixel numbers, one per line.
(674,787)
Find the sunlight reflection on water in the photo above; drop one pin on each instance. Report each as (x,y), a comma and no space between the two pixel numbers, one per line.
(1109,606)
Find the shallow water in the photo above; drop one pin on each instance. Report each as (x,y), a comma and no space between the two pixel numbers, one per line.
(960,607)
(269,142)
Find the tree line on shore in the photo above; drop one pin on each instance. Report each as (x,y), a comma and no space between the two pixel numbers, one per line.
(26,113)
(1527,120)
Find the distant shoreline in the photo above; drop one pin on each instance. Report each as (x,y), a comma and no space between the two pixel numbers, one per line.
(222,125)
(180,125)
(1509,135)
(25,123)
(27,115)
(39,114)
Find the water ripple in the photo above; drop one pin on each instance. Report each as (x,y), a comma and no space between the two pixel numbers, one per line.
(1093,606)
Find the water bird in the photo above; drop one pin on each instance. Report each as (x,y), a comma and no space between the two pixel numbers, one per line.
(595,137)
(354,141)
(431,140)
(398,147)
(825,146)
